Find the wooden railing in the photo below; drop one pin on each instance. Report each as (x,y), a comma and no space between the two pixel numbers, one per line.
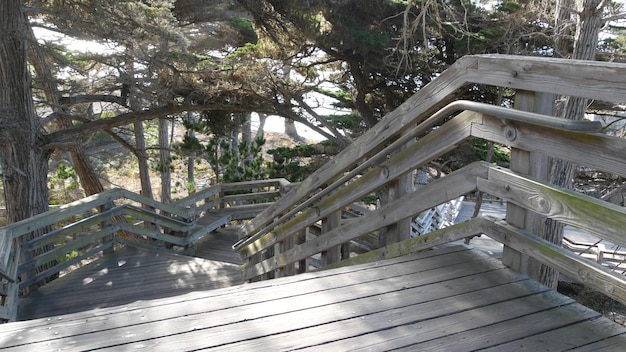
(94,225)
(278,243)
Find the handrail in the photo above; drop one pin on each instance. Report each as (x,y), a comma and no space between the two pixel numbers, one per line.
(461,105)
(99,222)
(276,243)
(459,128)
(602,81)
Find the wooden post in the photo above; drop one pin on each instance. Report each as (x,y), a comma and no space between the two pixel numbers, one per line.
(288,269)
(108,223)
(333,254)
(537,166)
(399,187)
(301,239)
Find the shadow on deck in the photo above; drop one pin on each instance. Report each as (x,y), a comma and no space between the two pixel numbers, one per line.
(125,277)
(448,299)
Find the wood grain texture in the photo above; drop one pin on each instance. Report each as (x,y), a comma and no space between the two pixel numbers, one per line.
(126,276)
(599,218)
(456,184)
(449,298)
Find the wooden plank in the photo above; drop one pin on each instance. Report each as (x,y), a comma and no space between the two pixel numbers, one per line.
(432,239)
(207,224)
(612,284)
(286,287)
(424,150)
(554,76)
(6,247)
(64,265)
(125,277)
(415,322)
(602,219)
(601,152)
(576,335)
(587,79)
(251,196)
(428,99)
(507,329)
(218,246)
(611,344)
(356,299)
(456,184)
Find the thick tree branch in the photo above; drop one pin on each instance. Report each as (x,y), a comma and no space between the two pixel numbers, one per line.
(77,134)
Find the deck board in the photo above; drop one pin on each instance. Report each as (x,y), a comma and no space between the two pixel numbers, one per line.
(126,276)
(452,298)
(218,246)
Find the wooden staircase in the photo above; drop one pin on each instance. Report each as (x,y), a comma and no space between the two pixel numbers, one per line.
(410,294)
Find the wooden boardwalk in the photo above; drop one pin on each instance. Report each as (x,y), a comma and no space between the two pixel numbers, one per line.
(128,276)
(449,299)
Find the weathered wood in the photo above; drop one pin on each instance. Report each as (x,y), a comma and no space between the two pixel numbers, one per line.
(428,297)
(576,334)
(126,276)
(601,152)
(455,184)
(432,239)
(427,100)
(6,247)
(425,149)
(555,76)
(534,164)
(251,196)
(582,270)
(580,78)
(332,254)
(602,219)
(61,266)
(62,251)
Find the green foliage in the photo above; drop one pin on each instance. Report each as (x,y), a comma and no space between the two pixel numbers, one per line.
(371,39)
(509,6)
(64,177)
(242,23)
(482,40)
(297,163)
(245,163)
(63,181)
(500,154)
(68,256)
(371,199)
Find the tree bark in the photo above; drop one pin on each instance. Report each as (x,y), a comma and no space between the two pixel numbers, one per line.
(262,119)
(142,160)
(292,132)
(164,161)
(23,157)
(89,180)
(562,173)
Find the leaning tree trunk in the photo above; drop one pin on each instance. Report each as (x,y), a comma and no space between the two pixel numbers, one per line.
(89,180)
(562,172)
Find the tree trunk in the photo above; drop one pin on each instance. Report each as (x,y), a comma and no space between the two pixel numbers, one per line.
(89,180)
(191,160)
(142,160)
(292,132)
(262,119)
(562,173)
(23,156)
(564,28)
(164,161)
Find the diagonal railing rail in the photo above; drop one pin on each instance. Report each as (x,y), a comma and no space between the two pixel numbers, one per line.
(94,225)
(429,125)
